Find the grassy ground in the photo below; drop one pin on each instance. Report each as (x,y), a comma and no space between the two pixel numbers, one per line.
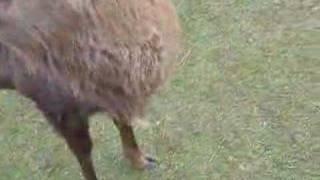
(244,105)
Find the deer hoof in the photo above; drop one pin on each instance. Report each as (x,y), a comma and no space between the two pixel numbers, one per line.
(151,163)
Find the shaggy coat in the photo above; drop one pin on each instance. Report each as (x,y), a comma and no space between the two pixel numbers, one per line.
(77,57)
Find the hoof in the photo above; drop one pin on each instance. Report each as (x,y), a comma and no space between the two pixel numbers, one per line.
(150,163)
(141,161)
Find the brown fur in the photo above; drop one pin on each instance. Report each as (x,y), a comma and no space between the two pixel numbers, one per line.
(77,57)
(110,49)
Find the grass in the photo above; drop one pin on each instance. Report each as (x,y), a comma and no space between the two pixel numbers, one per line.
(244,105)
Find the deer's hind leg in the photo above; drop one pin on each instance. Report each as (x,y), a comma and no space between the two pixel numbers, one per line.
(131,149)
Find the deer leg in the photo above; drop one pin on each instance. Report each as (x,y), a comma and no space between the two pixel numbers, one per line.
(131,148)
(75,130)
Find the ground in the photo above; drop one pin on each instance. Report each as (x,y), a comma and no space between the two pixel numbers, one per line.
(244,104)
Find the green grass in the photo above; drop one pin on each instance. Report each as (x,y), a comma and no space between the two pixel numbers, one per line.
(245,104)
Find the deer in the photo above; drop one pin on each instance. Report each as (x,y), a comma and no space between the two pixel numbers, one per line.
(75,58)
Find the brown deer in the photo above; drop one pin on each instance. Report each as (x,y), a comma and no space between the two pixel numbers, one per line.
(74,58)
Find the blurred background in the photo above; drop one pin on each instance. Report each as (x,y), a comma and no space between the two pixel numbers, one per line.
(244,104)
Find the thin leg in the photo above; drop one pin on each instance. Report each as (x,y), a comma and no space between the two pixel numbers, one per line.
(76,133)
(131,149)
